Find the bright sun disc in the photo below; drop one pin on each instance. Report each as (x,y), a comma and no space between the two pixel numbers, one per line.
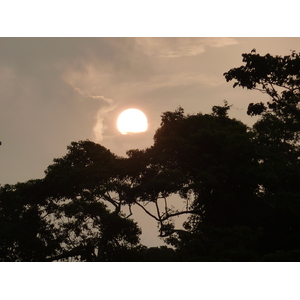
(131,121)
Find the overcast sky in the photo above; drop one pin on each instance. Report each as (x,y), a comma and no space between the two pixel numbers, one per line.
(57,90)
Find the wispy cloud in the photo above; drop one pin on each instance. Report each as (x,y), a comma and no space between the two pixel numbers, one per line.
(88,94)
(185,79)
(221,42)
(99,127)
(178,47)
(107,104)
(169,81)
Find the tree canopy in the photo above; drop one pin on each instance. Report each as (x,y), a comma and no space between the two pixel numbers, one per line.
(238,186)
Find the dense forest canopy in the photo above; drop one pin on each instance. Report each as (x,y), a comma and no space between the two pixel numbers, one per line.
(238,185)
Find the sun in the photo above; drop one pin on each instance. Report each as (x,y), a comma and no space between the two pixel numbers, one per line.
(132,120)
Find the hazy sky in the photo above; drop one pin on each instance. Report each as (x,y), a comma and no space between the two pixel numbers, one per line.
(57,90)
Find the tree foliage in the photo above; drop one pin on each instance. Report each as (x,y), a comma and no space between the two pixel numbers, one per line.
(195,157)
(74,213)
(276,76)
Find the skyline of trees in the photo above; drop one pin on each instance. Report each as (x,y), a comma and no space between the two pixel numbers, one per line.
(237,185)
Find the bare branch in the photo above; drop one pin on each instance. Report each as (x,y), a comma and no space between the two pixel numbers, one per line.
(166,204)
(109,199)
(158,212)
(130,211)
(147,212)
(181,213)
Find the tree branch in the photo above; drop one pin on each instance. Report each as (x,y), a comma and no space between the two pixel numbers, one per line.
(147,212)
(181,213)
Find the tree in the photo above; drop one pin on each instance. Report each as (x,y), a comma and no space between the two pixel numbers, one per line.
(25,235)
(276,76)
(276,135)
(206,161)
(74,213)
(236,180)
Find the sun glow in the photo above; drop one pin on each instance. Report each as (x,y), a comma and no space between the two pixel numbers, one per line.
(131,121)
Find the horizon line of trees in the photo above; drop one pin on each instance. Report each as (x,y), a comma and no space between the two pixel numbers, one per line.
(239,186)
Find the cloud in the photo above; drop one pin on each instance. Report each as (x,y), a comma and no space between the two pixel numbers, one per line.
(221,42)
(178,47)
(185,79)
(109,105)
(99,127)
(182,80)
(88,94)
(86,84)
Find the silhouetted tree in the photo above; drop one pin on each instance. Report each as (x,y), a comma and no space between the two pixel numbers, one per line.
(66,216)
(276,136)
(206,161)
(233,179)
(25,235)
(276,76)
